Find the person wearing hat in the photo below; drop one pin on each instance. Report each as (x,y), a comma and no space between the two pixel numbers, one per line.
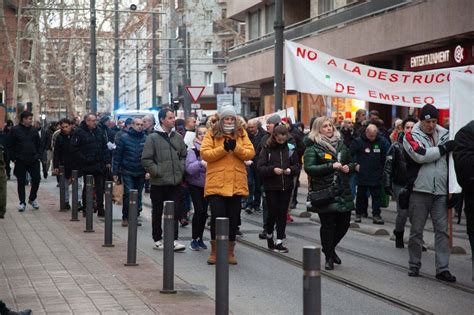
(427,147)
(225,148)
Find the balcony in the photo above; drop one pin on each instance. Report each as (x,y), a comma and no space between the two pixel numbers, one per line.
(310,27)
(219,58)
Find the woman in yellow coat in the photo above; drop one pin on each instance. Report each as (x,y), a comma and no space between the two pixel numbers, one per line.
(225,148)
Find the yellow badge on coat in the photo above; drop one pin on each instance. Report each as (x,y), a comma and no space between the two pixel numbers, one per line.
(327,156)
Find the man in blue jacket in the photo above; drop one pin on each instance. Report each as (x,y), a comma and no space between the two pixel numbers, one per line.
(369,152)
(127,164)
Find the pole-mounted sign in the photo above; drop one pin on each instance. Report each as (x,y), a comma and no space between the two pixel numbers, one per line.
(195,92)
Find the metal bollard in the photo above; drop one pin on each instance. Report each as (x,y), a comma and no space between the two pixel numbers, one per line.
(311,280)
(168,251)
(89,203)
(62,189)
(132,229)
(222,266)
(108,215)
(74,197)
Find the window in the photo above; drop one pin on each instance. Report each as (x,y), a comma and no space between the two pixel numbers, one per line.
(208,46)
(224,77)
(254,24)
(208,16)
(208,78)
(269,18)
(325,6)
(224,13)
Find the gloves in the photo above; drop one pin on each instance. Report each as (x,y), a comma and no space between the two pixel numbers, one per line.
(447,147)
(229,144)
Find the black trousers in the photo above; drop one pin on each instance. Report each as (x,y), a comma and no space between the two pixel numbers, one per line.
(33,168)
(362,200)
(158,195)
(333,228)
(200,211)
(99,192)
(225,207)
(277,203)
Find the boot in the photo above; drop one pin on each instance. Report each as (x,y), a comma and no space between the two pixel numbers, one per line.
(232,260)
(212,256)
(399,239)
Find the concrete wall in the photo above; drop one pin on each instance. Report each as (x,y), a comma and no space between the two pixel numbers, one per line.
(235,7)
(411,25)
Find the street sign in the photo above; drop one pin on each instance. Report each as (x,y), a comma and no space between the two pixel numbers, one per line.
(195,106)
(195,92)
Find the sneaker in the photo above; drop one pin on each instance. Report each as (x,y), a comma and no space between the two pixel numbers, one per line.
(279,248)
(270,244)
(238,233)
(414,272)
(201,243)
(158,245)
(248,210)
(358,218)
(289,218)
(124,222)
(183,222)
(21,207)
(178,247)
(377,220)
(262,235)
(34,204)
(194,245)
(446,276)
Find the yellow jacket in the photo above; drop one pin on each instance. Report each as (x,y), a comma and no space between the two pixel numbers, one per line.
(226,173)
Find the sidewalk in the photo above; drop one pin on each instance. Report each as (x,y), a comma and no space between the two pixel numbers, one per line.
(48,264)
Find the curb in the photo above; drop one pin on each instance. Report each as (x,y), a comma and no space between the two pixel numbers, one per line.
(300,213)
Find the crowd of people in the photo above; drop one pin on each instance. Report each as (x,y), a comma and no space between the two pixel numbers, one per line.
(227,164)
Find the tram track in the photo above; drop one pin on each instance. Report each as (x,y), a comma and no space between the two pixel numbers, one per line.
(377,260)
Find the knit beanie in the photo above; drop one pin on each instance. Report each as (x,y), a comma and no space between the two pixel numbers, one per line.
(428,112)
(275,119)
(227,110)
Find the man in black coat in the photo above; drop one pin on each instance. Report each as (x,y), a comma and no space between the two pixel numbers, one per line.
(463,156)
(89,146)
(369,152)
(25,149)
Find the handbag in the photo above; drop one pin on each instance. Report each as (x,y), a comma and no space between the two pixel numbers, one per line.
(117,193)
(324,196)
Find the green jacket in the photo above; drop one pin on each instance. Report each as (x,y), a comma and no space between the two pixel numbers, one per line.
(164,158)
(318,163)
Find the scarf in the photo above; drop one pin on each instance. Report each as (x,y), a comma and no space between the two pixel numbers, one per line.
(329,143)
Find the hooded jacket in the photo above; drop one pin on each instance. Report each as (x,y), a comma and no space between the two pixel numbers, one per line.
(195,171)
(164,157)
(432,176)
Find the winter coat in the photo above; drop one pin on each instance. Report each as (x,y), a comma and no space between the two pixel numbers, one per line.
(371,158)
(347,136)
(63,154)
(90,149)
(395,169)
(432,176)
(318,164)
(128,154)
(24,144)
(226,172)
(164,157)
(282,156)
(463,156)
(195,171)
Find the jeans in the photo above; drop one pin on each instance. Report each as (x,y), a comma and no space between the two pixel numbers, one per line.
(333,228)
(402,214)
(277,202)
(422,205)
(79,188)
(131,182)
(255,192)
(225,207)
(21,169)
(158,195)
(185,203)
(352,184)
(200,211)
(362,201)
(264,208)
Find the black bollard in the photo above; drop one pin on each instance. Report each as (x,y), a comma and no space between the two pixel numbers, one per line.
(89,201)
(108,215)
(74,197)
(132,229)
(62,189)
(168,250)
(222,266)
(311,280)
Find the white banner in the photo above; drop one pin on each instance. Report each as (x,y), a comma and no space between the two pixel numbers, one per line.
(309,70)
(460,113)
(288,112)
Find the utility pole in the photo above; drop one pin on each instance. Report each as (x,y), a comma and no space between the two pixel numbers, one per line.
(116,58)
(279,28)
(16,64)
(93,60)
(186,81)
(170,77)
(138,77)
(154,105)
